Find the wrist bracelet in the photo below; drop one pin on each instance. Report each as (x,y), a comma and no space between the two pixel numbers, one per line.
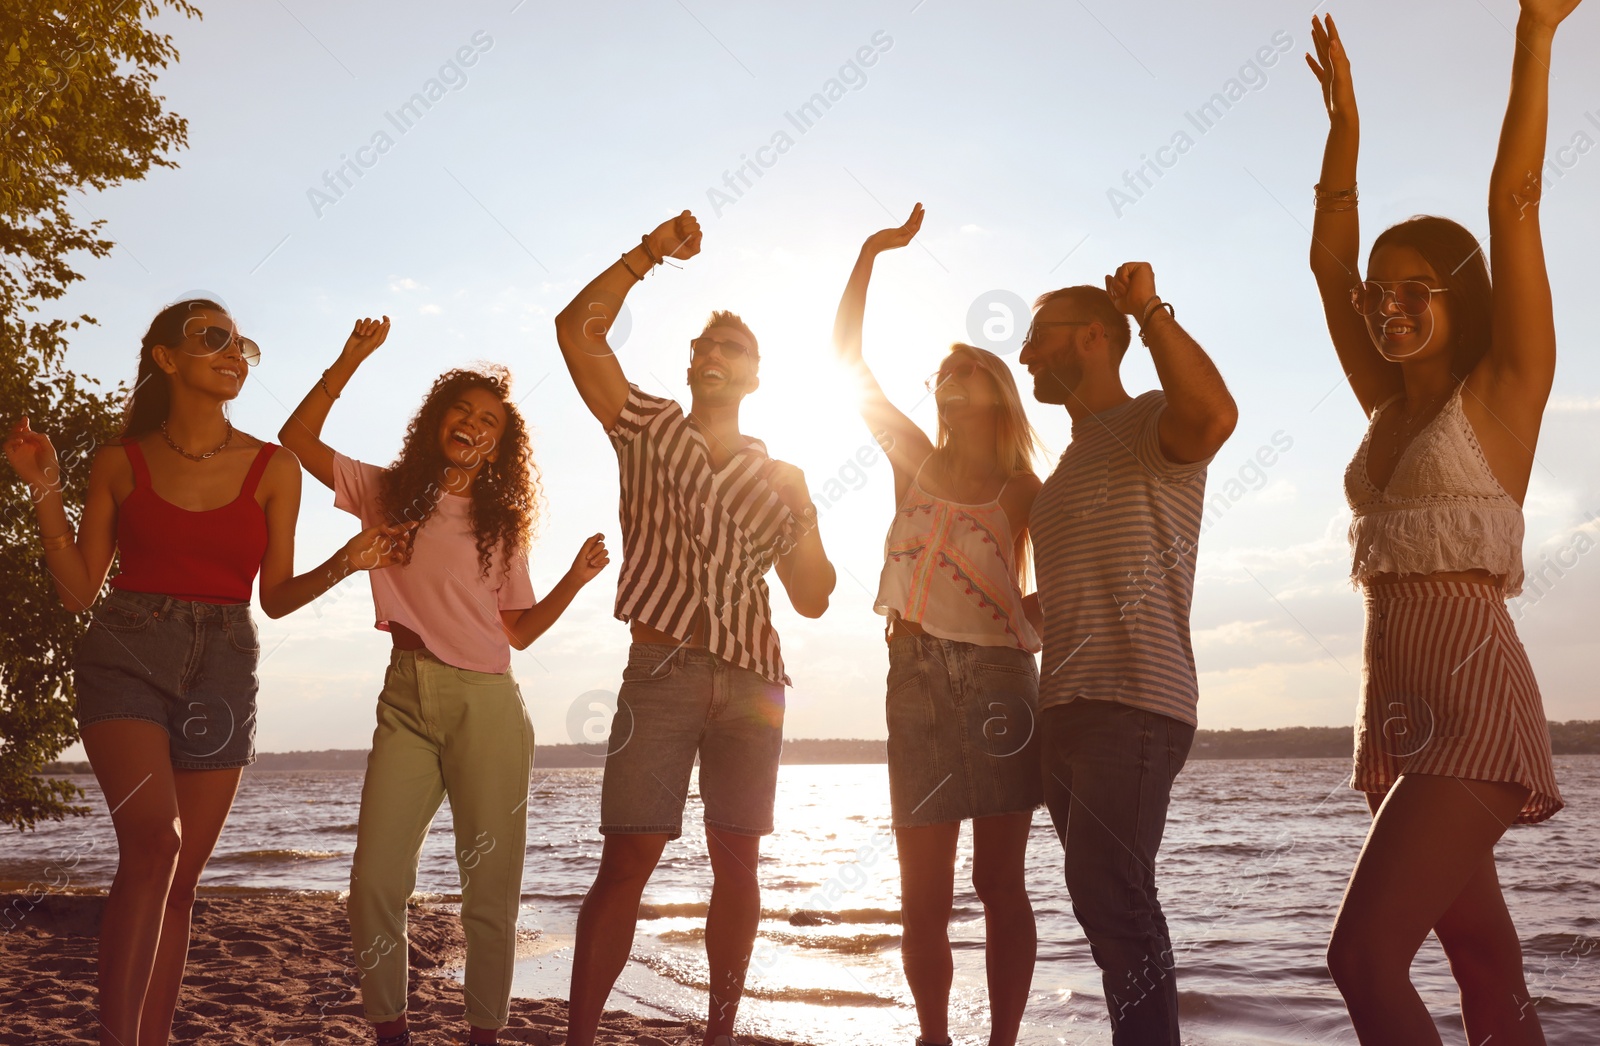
(625,265)
(644,241)
(60,541)
(323,383)
(1150,309)
(1151,306)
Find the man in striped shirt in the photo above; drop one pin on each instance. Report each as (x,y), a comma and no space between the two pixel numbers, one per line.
(1115,530)
(705,514)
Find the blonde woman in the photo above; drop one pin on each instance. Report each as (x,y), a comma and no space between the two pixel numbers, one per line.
(963,684)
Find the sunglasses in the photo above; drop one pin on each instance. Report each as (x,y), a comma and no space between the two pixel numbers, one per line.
(1412,296)
(730,350)
(955,372)
(1035,328)
(215,339)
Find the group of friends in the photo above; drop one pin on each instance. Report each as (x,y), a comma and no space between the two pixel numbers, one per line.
(1452,372)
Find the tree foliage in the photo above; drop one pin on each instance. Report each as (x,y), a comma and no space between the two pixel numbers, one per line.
(78,112)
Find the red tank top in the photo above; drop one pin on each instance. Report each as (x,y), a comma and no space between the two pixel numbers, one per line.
(206,557)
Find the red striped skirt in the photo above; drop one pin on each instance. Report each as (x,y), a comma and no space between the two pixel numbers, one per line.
(1446,689)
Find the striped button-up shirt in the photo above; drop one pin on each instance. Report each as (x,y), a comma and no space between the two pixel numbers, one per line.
(1115,530)
(697,541)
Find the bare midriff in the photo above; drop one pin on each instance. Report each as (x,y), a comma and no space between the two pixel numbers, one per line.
(1468,577)
(643,633)
(902,626)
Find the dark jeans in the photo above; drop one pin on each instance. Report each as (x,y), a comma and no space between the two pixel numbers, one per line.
(1108,773)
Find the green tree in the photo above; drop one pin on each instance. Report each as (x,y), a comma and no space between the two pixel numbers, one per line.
(77,111)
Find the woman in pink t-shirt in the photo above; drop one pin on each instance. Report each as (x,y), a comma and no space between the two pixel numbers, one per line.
(451,720)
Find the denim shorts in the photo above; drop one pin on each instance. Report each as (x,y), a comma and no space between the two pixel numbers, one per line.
(673,703)
(963,737)
(188,667)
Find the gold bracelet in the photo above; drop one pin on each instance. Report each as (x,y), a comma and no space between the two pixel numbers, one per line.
(60,541)
(323,382)
(1335,205)
(1333,193)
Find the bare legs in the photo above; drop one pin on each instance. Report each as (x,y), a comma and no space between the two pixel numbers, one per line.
(731,924)
(1428,865)
(167,822)
(999,849)
(610,913)
(927,882)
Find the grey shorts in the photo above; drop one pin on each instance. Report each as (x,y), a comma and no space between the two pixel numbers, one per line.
(963,731)
(190,668)
(672,704)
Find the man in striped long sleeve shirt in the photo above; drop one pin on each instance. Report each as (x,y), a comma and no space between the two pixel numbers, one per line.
(1115,530)
(705,514)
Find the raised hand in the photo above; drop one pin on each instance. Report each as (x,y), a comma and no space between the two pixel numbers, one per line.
(591,559)
(365,338)
(1332,68)
(33,456)
(677,237)
(1548,13)
(384,545)
(889,239)
(1132,288)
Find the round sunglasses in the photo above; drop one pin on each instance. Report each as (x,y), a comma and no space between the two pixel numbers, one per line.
(1412,296)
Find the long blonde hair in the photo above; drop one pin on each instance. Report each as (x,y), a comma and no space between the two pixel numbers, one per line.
(1017,446)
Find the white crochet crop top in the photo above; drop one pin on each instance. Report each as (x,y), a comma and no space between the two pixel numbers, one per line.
(1443,509)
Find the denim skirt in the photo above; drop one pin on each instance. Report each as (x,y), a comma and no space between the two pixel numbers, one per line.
(963,737)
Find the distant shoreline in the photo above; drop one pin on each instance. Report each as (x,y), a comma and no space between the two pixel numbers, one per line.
(1574,737)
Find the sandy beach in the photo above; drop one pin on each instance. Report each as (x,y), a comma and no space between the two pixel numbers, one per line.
(267,968)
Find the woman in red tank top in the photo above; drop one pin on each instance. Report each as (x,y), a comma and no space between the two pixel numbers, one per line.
(165,675)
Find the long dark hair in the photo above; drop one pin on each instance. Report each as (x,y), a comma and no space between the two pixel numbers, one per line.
(152,394)
(505,496)
(1455,255)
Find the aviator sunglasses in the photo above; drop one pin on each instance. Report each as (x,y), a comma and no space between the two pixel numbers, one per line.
(1412,296)
(215,339)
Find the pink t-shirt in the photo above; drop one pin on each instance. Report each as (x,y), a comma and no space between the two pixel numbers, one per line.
(441,595)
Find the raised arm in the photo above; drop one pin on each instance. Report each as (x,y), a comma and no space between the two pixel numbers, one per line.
(582,326)
(1200,413)
(906,444)
(1516,375)
(302,433)
(1336,229)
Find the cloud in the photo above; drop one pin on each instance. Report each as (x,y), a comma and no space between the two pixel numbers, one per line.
(1574,403)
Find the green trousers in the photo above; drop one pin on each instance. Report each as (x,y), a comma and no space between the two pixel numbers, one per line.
(442,731)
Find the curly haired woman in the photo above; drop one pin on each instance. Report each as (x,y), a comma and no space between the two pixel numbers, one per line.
(450,718)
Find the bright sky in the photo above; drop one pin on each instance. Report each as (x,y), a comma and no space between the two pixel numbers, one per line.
(577,128)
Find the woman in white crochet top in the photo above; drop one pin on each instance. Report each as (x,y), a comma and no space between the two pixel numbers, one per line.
(1451,742)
